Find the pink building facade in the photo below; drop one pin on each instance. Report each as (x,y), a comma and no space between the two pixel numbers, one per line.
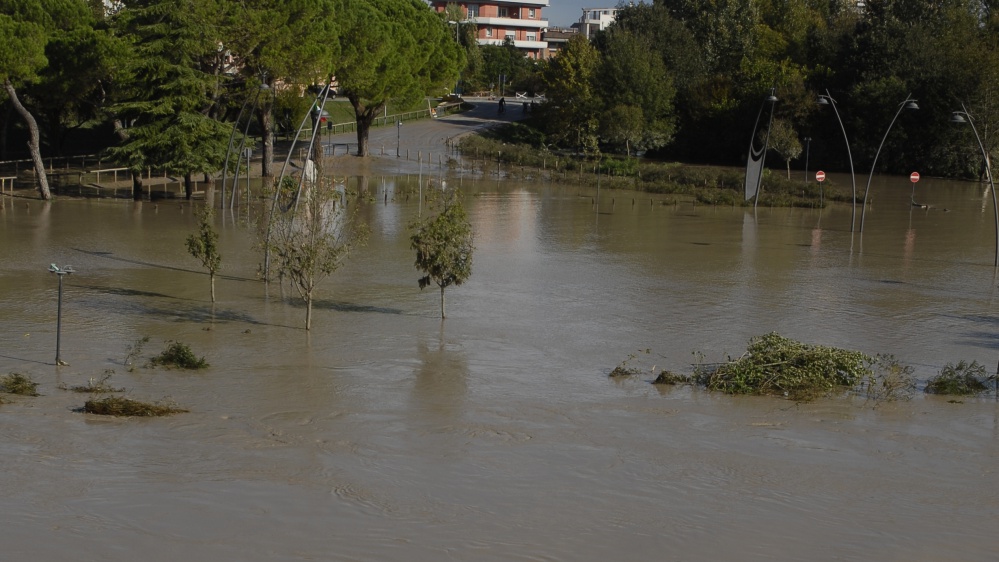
(520,20)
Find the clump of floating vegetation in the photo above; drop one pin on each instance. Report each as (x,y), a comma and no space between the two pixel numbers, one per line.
(16,383)
(121,406)
(100,386)
(624,370)
(888,381)
(669,377)
(179,355)
(963,379)
(777,366)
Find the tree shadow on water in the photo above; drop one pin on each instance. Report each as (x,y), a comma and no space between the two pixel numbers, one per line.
(111,256)
(338,306)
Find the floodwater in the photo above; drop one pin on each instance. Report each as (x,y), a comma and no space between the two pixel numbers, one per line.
(385,434)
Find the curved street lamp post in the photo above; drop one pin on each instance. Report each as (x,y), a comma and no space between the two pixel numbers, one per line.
(909,103)
(965,117)
(754,174)
(828,100)
(242,144)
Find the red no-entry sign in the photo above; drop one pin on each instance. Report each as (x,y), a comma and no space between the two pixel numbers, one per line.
(914,177)
(820,176)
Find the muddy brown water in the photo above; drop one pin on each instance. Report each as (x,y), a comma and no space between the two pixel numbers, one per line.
(386,434)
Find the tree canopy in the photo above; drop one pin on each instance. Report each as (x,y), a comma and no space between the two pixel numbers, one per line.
(393,50)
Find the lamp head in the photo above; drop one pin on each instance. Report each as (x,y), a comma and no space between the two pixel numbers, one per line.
(823,100)
(772,98)
(957,117)
(911,105)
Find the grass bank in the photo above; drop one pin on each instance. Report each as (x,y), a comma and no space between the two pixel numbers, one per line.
(521,153)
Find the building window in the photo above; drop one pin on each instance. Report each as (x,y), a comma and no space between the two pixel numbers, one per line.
(503,12)
(489,32)
(532,37)
(531,14)
(473,11)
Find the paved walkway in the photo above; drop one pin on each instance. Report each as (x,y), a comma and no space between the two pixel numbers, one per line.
(426,139)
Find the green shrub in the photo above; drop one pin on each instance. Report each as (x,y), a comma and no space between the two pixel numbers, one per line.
(963,379)
(16,383)
(179,355)
(619,166)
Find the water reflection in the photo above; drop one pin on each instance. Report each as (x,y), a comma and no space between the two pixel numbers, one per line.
(441,379)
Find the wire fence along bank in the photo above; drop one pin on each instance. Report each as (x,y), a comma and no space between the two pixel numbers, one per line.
(91,174)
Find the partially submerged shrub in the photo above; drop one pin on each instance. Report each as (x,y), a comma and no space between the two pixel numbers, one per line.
(777,366)
(16,383)
(133,351)
(624,370)
(101,386)
(669,377)
(121,406)
(179,355)
(888,380)
(963,379)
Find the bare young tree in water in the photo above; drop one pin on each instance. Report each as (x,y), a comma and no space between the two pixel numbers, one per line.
(315,236)
(443,244)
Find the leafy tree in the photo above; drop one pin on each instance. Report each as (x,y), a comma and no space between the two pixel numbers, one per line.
(174,80)
(631,75)
(444,245)
(205,244)
(784,141)
(571,105)
(315,237)
(281,44)
(72,89)
(392,50)
(26,27)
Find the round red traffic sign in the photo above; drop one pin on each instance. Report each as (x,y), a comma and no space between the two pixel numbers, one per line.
(820,176)
(914,177)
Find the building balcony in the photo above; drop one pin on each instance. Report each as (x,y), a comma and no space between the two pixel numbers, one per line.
(526,45)
(519,23)
(525,3)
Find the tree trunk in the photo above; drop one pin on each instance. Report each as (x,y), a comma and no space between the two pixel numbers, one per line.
(308,312)
(34,146)
(364,117)
(789,169)
(266,121)
(443,316)
(211,276)
(188,186)
(137,186)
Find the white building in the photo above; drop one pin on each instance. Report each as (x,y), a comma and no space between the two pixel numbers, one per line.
(596,19)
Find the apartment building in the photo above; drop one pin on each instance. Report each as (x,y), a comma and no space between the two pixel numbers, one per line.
(596,19)
(497,20)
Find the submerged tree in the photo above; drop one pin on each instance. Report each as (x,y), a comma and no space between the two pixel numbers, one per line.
(315,236)
(205,244)
(443,245)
